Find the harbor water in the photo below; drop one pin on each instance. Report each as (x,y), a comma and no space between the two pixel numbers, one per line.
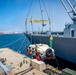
(17,42)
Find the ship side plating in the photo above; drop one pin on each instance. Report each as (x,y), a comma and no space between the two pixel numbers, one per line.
(64,47)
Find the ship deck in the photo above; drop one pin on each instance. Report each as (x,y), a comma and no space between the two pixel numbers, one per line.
(15,59)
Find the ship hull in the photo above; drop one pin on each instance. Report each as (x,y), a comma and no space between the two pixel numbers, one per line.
(64,47)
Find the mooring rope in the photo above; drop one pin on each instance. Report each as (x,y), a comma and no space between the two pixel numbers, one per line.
(57,63)
(21,44)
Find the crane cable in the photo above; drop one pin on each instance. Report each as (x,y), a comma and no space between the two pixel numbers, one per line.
(45,9)
(41,9)
(29,9)
(57,63)
(41,14)
(15,42)
(21,44)
(47,14)
(28,15)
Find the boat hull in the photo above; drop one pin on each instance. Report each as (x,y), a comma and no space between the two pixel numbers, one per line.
(64,47)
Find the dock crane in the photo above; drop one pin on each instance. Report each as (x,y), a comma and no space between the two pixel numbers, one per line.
(42,20)
(73,8)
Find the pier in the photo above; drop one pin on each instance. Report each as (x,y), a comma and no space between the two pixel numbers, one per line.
(16,64)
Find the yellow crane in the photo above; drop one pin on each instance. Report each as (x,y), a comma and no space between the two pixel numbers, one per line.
(37,20)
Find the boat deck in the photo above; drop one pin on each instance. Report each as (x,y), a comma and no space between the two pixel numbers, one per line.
(20,64)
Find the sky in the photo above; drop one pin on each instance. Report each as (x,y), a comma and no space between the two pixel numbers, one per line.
(13,14)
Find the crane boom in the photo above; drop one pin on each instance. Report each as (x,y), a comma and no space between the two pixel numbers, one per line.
(72,12)
(64,5)
(71,6)
(66,8)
